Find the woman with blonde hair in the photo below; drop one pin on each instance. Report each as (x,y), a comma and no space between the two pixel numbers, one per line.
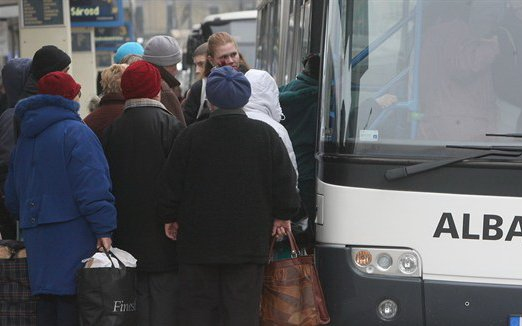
(222,51)
(111,103)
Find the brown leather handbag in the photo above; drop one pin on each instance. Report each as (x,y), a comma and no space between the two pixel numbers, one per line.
(292,293)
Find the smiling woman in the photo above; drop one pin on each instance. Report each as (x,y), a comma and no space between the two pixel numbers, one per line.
(222,51)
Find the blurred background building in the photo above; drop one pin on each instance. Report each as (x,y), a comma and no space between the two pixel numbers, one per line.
(98,27)
(142,19)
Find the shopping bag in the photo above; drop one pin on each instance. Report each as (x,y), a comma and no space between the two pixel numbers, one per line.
(107,295)
(292,293)
(17,305)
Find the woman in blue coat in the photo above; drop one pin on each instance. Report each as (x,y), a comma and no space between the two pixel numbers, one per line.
(59,187)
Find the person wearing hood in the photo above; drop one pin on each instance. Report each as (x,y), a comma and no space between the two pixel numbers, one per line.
(59,187)
(164,53)
(263,105)
(20,77)
(3,98)
(14,76)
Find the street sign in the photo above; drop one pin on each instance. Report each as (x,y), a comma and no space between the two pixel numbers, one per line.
(96,13)
(41,13)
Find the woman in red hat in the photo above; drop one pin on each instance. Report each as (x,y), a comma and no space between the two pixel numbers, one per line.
(137,145)
(59,187)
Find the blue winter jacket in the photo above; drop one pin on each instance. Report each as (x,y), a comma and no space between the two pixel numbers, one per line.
(59,186)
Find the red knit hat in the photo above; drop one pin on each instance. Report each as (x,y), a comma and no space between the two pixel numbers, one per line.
(140,80)
(59,83)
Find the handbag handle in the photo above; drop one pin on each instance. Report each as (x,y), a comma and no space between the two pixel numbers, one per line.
(293,246)
(107,252)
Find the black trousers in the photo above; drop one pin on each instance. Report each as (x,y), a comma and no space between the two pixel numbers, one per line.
(157,298)
(220,294)
(57,310)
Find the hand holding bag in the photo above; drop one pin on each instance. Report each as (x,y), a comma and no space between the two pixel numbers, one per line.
(107,295)
(292,293)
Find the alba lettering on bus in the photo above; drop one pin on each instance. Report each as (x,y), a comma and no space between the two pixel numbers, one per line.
(491,228)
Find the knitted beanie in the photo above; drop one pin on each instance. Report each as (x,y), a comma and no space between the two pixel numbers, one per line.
(140,80)
(48,59)
(126,49)
(227,88)
(162,51)
(59,83)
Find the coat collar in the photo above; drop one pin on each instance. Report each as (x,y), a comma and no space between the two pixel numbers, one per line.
(223,112)
(110,98)
(144,102)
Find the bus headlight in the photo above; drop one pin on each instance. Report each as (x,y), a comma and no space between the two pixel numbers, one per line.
(387,309)
(384,261)
(408,263)
(387,261)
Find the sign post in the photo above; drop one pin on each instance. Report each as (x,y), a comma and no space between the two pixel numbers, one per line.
(44,22)
(86,15)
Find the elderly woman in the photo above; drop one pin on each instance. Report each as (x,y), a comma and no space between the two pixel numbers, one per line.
(59,187)
(111,103)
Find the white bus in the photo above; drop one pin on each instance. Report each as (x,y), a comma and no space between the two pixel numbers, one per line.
(419,208)
(240,24)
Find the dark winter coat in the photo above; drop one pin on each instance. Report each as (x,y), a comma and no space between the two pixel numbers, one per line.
(30,87)
(299,101)
(15,75)
(59,186)
(137,145)
(191,104)
(110,108)
(3,103)
(226,180)
(168,97)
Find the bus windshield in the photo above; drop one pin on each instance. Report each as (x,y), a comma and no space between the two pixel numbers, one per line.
(406,77)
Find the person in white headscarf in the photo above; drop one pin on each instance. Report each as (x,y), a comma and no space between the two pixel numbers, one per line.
(264,105)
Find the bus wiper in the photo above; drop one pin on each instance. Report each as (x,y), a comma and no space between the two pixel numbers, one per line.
(489,148)
(512,135)
(402,172)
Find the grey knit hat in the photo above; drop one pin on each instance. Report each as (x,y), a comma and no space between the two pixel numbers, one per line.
(162,50)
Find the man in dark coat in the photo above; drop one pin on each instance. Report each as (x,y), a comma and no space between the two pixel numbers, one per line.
(227,186)
(137,145)
(165,53)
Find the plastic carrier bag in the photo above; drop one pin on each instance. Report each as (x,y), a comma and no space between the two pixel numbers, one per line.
(107,295)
